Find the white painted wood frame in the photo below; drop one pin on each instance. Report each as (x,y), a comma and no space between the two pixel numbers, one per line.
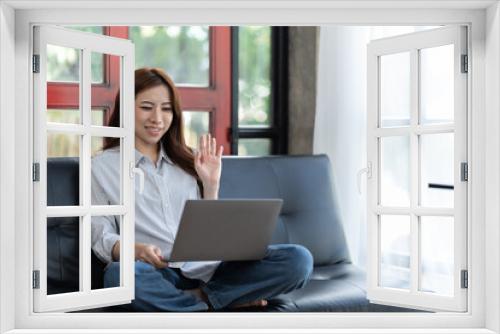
(483,17)
(84,44)
(412,44)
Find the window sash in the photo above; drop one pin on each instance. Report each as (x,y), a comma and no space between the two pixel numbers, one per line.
(414,297)
(86,297)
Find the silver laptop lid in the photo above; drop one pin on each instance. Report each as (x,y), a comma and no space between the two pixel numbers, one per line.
(225,229)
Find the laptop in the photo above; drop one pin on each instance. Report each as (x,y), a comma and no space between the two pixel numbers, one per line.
(225,229)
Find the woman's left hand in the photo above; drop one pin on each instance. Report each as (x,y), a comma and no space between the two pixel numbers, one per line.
(208,163)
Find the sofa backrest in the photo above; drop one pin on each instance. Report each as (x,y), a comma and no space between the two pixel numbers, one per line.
(310,215)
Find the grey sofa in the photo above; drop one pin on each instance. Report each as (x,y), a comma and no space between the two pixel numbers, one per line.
(309,217)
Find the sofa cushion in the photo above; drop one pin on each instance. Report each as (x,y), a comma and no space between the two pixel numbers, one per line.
(310,215)
(333,288)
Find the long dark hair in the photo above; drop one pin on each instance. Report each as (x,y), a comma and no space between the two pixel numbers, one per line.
(173,140)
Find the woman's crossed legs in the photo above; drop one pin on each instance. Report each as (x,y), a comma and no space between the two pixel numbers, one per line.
(284,268)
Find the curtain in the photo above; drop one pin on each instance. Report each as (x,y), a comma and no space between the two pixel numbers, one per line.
(340,122)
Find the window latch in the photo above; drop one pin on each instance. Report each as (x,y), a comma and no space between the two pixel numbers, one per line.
(368,171)
(134,170)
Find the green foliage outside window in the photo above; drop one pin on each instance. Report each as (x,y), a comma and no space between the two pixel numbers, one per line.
(254,76)
(183,52)
(63,64)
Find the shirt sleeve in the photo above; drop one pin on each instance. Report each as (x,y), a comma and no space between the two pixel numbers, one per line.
(104,229)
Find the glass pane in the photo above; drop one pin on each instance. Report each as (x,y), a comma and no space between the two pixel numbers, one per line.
(96,58)
(395,251)
(63,149)
(395,90)
(105,242)
(254,76)
(164,46)
(97,67)
(71,116)
(436,85)
(436,255)
(63,145)
(437,173)
(395,171)
(63,64)
(63,255)
(99,116)
(254,146)
(106,171)
(196,123)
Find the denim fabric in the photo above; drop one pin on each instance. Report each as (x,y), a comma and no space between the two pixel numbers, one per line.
(284,268)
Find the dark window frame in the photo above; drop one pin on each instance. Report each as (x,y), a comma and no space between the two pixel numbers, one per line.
(278,131)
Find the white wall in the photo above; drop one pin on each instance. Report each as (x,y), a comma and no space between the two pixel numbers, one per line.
(492,188)
(7,175)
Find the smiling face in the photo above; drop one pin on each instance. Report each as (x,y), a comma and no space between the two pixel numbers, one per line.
(153,116)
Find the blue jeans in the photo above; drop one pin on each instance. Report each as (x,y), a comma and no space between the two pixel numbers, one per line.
(283,269)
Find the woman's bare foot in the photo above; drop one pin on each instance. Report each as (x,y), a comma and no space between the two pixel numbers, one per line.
(257,303)
(202,296)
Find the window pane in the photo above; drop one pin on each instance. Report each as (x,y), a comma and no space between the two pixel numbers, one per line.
(196,123)
(395,171)
(97,69)
(436,85)
(436,251)
(395,90)
(97,274)
(98,117)
(95,101)
(96,58)
(437,170)
(63,249)
(63,64)
(62,146)
(71,116)
(254,76)
(183,52)
(106,171)
(395,251)
(254,146)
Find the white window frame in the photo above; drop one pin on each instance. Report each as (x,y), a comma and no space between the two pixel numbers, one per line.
(16,18)
(412,43)
(85,43)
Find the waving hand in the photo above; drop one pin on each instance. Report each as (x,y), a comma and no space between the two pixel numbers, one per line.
(207,162)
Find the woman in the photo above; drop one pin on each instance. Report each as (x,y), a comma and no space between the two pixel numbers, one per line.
(174,174)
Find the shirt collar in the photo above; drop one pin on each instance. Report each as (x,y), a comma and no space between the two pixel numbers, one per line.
(163,155)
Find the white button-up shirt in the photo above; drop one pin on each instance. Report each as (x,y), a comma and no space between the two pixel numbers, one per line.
(158,209)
